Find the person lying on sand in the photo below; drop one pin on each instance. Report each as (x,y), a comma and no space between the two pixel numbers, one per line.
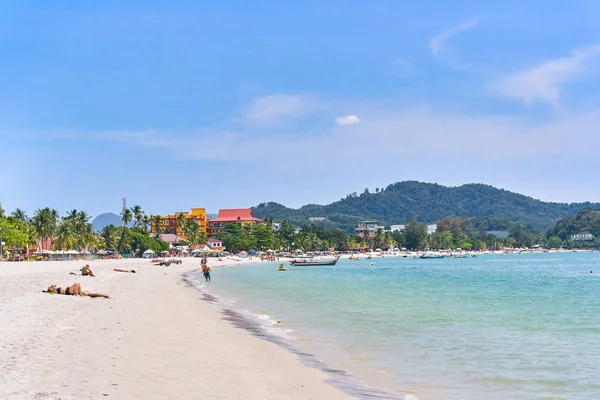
(73,290)
(87,271)
(124,270)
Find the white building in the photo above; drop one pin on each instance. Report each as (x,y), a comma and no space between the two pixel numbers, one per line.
(396,228)
(431,229)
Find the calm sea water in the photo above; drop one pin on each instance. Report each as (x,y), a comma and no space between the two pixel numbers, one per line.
(492,327)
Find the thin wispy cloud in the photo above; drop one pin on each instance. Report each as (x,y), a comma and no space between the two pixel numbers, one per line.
(347,120)
(544,82)
(437,43)
(278,108)
(392,133)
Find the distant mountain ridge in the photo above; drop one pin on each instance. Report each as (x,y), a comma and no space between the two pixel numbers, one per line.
(105,219)
(428,202)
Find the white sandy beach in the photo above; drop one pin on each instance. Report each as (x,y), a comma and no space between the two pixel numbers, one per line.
(154,339)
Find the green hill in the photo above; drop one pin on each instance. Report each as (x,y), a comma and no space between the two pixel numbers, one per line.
(428,202)
(586,221)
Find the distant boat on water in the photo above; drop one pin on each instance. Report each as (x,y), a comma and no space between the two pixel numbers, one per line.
(313,262)
(432,256)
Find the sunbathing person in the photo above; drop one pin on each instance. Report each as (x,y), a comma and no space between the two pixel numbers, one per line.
(87,271)
(73,290)
(124,270)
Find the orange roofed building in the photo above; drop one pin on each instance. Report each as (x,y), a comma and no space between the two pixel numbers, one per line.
(240,216)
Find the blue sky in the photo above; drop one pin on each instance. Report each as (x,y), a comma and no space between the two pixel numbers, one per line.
(180,104)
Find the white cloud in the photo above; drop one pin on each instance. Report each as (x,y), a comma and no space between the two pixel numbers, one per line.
(347,120)
(543,82)
(436,44)
(275,109)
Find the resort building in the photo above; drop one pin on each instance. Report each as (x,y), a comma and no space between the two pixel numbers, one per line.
(215,244)
(369,227)
(396,228)
(169,222)
(431,229)
(317,219)
(240,216)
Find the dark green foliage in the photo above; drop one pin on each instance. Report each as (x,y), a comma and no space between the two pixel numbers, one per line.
(427,202)
(586,221)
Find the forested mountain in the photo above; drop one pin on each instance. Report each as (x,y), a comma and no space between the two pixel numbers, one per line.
(428,202)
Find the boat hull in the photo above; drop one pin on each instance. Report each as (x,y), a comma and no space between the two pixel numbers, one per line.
(313,263)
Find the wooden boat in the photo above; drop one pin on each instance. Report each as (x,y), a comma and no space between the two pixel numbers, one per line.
(312,263)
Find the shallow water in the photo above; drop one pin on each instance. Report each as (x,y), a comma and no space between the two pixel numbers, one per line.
(493,327)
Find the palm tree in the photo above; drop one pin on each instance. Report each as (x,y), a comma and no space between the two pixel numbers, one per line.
(157,222)
(191,230)
(71,215)
(126,217)
(146,222)
(138,215)
(20,215)
(66,236)
(45,222)
(180,221)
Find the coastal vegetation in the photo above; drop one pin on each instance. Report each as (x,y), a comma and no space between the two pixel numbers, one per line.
(46,229)
(586,221)
(427,202)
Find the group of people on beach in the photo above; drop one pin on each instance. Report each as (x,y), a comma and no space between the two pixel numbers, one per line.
(75,289)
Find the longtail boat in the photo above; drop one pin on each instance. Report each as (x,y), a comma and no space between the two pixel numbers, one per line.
(312,263)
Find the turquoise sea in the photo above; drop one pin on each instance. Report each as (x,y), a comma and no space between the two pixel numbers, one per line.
(493,327)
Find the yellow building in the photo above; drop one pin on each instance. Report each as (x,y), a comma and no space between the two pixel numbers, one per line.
(170,224)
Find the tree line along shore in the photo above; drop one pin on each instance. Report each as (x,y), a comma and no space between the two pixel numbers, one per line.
(47,229)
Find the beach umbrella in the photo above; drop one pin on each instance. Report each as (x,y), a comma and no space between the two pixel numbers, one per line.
(72,252)
(102,252)
(149,251)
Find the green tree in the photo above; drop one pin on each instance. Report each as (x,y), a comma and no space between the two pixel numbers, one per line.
(45,222)
(110,236)
(554,242)
(233,238)
(265,239)
(126,217)
(398,237)
(20,215)
(415,235)
(157,223)
(180,220)
(138,216)
(286,234)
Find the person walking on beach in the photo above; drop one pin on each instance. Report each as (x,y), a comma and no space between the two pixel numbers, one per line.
(206,272)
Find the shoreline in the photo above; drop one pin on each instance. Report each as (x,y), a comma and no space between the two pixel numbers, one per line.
(150,340)
(338,378)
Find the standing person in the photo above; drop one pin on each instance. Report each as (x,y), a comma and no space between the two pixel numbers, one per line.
(206,272)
